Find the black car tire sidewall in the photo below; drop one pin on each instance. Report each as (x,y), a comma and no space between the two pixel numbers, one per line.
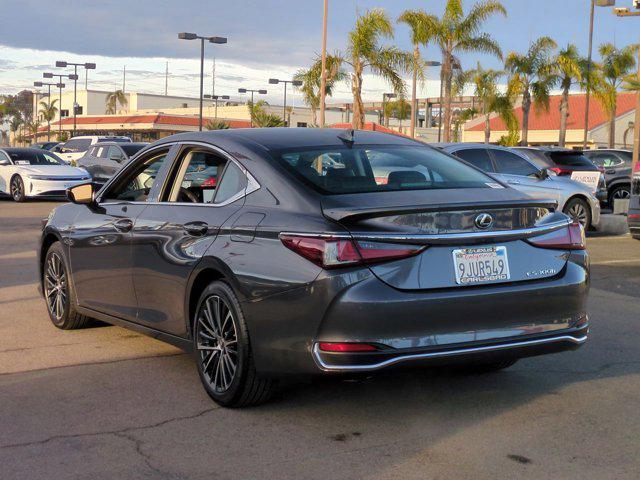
(56,248)
(587,207)
(229,397)
(22,196)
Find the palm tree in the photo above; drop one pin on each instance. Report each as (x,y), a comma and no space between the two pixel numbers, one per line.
(612,71)
(422,32)
(532,77)
(364,52)
(311,80)
(569,67)
(455,33)
(485,85)
(216,125)
(48,112)
(14,126)
(261,118)
(32,128)
(400,109)
(112,101)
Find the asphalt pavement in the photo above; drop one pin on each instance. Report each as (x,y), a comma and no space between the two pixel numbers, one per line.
(108,403)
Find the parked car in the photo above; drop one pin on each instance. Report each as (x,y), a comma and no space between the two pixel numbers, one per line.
(30,172)
(292,268)
(76,147)
(45,145)
(633,216)
(575,199)
(564,162)
(616,166)
(104,159)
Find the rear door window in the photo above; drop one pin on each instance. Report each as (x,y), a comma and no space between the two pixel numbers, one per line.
(511,164)
(478,157)
(570,159)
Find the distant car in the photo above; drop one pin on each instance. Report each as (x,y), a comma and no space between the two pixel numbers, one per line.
(634,204)
(616,166)
(104,159)
(564,162)
(76,147)
(574,199)
(29,172)
(45,145)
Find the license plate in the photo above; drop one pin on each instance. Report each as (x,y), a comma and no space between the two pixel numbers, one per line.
(480,265)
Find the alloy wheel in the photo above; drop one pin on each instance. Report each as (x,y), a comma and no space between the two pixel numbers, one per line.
(217,343)
(55,286)
(621,194)
(16,188)
(578,212)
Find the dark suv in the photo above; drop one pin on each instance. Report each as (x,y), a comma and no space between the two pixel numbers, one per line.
(565,162)
(105,158)
(616,166)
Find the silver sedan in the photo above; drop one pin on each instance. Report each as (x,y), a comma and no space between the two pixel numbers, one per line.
(575,199)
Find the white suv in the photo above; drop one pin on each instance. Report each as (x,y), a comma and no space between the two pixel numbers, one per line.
(76,147)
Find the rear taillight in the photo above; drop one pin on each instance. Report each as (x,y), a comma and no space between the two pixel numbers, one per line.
(382,180)
(570,237)
(329,252)
(347,347)
(560,171)
(210,182)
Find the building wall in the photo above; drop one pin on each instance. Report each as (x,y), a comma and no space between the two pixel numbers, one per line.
(600,134)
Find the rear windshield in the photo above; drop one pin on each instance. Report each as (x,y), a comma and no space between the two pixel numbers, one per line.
(362,169)
(571,159)
(34,157)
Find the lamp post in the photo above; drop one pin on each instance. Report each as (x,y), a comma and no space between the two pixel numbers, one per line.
(295,83)
(49,85)
(594,3)
(624,12)
(385,97)
(323,77)
(259,92)
(215,99)
(86,66)
(217,40)
(414,102)
(60,86)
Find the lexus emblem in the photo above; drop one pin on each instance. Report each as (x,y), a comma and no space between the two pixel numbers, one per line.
(484,221)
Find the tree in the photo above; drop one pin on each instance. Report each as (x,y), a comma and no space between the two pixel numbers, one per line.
(48,112)
(261,118)
(485,85)
(112,101)
(423,31)
(364,52)
(14,126)
(614,67)
(456,32)
(32,129)
(311,80)
(568,69)
(532,77)
(400,109)
(216,125)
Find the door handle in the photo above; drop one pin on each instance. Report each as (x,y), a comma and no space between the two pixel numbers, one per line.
(123,225)
(196,229)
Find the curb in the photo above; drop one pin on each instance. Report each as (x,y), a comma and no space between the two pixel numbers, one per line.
(613,225)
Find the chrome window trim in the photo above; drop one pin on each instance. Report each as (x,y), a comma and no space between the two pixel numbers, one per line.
(252,183)
(440,238)
(449,353)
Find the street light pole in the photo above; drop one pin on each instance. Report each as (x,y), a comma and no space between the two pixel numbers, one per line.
(48,84)
(259,92)
(60,86)
(323,78)
(193,36)
(86,66)
(295,83)
(215,98)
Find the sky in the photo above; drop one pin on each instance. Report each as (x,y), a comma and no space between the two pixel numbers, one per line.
(266,38)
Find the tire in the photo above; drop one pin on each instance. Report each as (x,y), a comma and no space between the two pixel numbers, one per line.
(481,368)
(17,189)
(58,292)
(228,374)
(578,209)
(619,192)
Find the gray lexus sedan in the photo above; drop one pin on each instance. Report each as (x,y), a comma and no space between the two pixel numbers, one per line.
(302,261)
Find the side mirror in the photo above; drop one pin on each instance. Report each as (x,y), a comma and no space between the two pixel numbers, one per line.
(81,194)
(543,174)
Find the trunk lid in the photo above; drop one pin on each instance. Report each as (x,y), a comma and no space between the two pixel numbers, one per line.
(446,223)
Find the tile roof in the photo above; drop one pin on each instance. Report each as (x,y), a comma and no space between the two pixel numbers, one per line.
(156,119)
(550,120)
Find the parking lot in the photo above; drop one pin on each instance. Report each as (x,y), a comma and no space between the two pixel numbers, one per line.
(108,403)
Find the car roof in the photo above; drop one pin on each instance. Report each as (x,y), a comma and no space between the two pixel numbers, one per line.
(465,145)
(283,137)
(118,144)
(20,149)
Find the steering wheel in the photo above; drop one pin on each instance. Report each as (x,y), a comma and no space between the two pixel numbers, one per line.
(186,196)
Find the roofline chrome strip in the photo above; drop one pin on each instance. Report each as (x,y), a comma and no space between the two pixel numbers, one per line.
(442,237)
(449,353)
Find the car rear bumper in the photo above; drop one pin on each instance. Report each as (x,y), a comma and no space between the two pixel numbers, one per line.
(435,326)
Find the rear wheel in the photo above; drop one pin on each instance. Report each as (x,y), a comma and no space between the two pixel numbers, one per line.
(578,209)
(17,189)
(619,192)
(58,292)
(223,352)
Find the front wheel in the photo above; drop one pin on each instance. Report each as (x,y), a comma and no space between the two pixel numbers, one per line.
(17,189)
(223,352)
(579,210)
(621,192)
